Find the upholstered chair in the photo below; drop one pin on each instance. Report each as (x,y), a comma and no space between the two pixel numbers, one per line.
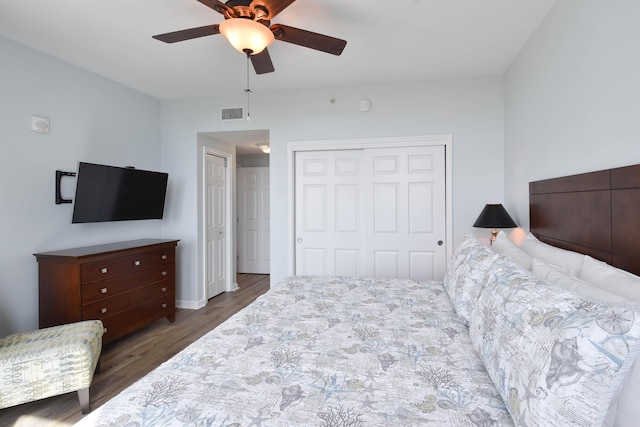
(49,362)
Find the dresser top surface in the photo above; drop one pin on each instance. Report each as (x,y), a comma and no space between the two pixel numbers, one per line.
(105,248)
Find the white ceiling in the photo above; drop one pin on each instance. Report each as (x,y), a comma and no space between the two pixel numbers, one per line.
(390,41)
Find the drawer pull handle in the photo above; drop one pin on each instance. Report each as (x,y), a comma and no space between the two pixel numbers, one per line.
(136,263)
(164,305)
(164,289)
(104,290)
(103,310)
(164,273)
(104,270)
(164,257)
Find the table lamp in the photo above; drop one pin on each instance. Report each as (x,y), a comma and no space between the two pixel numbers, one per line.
(494,216)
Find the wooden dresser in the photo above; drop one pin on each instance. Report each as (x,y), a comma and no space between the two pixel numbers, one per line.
(126,285)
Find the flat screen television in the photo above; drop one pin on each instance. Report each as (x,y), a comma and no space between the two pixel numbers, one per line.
(110,193)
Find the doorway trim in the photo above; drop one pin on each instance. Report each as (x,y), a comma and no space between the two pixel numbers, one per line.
(445,140)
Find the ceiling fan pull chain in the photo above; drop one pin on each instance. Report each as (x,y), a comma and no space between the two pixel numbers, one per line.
(248,90)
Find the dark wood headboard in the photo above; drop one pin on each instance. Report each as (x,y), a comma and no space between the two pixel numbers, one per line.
(595,213)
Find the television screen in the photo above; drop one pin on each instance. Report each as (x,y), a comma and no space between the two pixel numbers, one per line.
(110,193)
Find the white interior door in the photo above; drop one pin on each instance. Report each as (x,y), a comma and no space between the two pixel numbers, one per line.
(216,233)
(377,212)
(253,220)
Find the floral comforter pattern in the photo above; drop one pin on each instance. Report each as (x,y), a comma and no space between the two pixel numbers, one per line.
(322,351)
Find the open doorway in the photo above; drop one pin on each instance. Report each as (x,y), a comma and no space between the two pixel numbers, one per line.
(241,157)
(253,203)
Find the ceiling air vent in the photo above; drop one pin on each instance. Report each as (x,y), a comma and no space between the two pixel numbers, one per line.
(232,113)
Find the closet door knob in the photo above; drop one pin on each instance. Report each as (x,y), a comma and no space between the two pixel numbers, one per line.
(440,242)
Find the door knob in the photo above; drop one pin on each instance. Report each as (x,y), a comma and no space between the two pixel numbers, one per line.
(440,242)
(299,240)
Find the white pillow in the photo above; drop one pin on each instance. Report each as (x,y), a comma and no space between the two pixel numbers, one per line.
(554,274)
(627,411)
(610,278)
(569,261)
(503,245)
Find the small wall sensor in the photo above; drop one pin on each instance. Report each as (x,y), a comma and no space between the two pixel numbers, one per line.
(39,124)
(364,105)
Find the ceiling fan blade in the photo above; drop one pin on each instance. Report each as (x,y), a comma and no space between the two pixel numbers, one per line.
(308,39)
(191,33)
(218,6)
(262,62)
(274,7)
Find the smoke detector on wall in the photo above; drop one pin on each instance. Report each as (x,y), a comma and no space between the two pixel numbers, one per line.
(365,105)
(39,124)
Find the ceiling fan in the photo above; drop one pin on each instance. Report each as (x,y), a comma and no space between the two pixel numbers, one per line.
(247,26)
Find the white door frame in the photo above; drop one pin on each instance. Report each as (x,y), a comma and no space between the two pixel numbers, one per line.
(362,143)
(229,228)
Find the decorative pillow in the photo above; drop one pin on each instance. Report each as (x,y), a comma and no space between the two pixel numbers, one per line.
(611,279)
(569,261)
(555,275)
(503,245)
(556,358)
(465,274)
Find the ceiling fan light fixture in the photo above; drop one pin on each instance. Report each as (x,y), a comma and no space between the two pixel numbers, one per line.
(246,35)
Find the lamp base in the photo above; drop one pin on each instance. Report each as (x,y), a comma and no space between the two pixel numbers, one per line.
(494,236)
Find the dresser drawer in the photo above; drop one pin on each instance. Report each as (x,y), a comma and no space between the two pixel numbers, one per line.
(107,288)
(124,301)
(128,320)
(100,270)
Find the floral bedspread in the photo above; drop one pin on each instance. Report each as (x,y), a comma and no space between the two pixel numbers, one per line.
(322,351)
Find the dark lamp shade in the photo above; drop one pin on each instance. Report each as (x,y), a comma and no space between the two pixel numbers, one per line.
(494,216)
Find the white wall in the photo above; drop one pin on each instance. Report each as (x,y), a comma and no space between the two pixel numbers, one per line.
(572,97)
(93,120)
(471,109)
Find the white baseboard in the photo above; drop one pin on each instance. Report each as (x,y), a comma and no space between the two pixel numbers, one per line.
(190,305)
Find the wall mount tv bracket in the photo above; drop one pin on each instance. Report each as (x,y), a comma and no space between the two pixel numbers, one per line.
(59,175)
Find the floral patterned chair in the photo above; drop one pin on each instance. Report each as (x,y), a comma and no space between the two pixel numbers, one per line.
(49,362)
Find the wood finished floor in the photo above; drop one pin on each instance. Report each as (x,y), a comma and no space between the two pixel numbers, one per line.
(127,359)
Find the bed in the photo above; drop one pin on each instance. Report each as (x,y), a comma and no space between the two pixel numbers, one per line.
(511,337)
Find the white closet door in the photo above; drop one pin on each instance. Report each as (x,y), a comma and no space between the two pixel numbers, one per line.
(329,217)
(373,212)
(216,219)
(253,220)
(405,205)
